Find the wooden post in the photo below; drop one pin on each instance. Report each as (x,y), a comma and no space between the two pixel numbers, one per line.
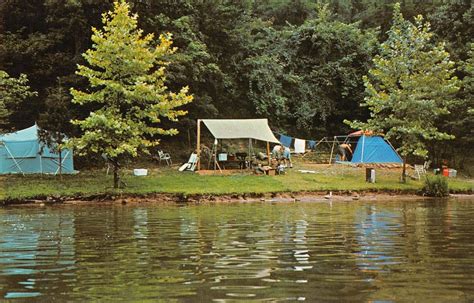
(332,150)
(268,154)
(250,151)
(198,147)
(216,144)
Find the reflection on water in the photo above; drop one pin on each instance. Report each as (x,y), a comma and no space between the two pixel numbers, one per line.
(362,251)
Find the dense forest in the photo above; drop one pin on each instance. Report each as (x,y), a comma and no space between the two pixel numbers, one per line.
(300,63)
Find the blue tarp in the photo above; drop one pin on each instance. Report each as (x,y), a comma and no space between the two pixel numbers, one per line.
(23,152)
(374,149)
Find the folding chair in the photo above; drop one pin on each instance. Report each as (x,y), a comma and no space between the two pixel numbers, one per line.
(419,171)
(164,156)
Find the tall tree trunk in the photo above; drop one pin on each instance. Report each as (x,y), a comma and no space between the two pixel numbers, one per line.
(189,138)
(404,171)
(116,175)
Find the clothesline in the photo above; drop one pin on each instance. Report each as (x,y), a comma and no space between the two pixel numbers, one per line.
(299,145)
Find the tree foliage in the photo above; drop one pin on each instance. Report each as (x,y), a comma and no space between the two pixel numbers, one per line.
(290,61)
(127,84)
(410,85)
(13,91)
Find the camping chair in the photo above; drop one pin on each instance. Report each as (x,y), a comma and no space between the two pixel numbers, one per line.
(164,156)
(421,169)
(427,165)
(191,165)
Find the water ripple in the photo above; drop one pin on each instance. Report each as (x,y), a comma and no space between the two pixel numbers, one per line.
(362,251)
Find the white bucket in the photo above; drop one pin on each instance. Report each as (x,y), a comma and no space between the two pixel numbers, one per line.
(452,173)
(140,171)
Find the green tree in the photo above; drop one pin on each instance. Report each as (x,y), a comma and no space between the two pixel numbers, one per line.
(45,40)
(453,22)
(307,78)
(468,82)
(127,84)
(54,121)
(328,60)
(13,91)
(410,85)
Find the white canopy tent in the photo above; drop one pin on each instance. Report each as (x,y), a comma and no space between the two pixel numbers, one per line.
(256,129)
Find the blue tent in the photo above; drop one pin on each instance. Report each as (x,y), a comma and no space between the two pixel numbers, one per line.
(23,152)
(374,149)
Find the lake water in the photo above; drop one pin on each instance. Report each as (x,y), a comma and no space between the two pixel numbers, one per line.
(353,251)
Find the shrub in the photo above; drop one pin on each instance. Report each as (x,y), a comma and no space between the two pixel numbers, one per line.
(436,186)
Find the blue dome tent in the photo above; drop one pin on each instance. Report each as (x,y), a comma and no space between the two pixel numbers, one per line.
(374,149)
(23,152)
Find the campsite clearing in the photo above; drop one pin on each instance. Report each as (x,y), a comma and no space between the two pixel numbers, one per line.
(90,184)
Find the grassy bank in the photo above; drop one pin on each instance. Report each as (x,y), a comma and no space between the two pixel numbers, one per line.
(164,180)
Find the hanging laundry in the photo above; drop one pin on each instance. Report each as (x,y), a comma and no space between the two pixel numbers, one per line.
(300,145)
(311,144)
(285,140)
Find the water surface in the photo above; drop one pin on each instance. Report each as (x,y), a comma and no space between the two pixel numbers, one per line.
(357,251)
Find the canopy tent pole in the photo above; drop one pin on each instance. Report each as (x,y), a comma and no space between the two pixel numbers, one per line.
(250,146)
(268,154)
(13,158)
(214,155)
(392,147)
(198,147)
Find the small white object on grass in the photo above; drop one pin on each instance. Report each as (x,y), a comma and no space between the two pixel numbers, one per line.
(304,171)
(140,171)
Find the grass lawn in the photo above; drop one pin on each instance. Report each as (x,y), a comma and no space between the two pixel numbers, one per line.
(166,180)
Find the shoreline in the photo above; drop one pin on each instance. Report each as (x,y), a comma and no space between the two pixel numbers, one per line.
(181,198)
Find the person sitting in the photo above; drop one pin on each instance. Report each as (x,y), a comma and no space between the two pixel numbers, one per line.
(344,148)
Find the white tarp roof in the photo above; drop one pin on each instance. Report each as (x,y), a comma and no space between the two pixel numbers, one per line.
(257,129)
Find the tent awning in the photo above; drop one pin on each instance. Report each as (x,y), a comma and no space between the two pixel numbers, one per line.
(257,129)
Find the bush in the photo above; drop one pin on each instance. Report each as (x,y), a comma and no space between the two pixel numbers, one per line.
(436,186)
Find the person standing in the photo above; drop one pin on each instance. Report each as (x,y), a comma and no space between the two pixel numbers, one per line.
(344,148)
(277,151)
(287,157)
